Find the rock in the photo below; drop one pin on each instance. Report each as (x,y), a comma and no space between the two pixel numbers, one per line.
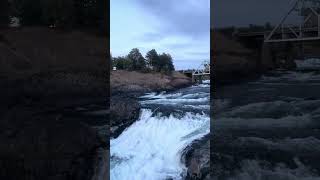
(198,160)
(124,111)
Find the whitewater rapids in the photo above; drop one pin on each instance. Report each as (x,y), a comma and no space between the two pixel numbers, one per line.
(152,147)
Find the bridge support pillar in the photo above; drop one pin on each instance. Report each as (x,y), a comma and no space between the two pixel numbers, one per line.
(267,57)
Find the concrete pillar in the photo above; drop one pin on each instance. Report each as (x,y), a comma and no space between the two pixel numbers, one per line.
(267,57)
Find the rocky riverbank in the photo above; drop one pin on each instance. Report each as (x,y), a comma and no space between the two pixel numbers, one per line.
(127,86)
(50,80)
(197,160)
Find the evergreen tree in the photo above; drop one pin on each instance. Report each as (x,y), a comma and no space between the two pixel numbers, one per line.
(152,59)
(122,63)
(136,59)
(165,63)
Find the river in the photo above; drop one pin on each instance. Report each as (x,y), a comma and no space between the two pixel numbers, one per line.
(269,128)
(152,147)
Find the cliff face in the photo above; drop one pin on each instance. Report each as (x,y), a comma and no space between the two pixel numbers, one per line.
(48,80)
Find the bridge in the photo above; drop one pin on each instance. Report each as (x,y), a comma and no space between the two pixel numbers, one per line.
(281,44)
(199,74)
(307,29)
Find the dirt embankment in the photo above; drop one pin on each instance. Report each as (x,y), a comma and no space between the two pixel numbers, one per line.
(136,82)
(127,86)
(46,76)
(232,60)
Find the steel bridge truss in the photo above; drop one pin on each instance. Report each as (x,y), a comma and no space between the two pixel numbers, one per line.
(308,29)
(203,69)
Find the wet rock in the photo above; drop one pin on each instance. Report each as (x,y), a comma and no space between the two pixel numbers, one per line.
(123,112)
(198,160)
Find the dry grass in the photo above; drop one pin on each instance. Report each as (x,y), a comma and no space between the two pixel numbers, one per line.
(136,81)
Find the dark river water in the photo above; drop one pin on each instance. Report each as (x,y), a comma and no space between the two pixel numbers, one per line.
(269,128)
(152,147)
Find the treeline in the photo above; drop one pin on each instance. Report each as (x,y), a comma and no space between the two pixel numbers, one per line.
(60,13)
(229,31)
(153,61)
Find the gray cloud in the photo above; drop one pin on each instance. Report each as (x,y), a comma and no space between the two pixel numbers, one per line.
(151,37)
(188,16)
(244,12)
(198,53)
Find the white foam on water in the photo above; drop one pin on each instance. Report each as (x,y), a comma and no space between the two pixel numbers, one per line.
(202,85)
(290,76)
(206,82)
(176,101)
(175,98)
(151,148)
(161,95)
(195,95)
(312,63)
(205,107)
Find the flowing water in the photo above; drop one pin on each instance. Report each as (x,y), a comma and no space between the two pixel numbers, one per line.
(152,147)
(273,123)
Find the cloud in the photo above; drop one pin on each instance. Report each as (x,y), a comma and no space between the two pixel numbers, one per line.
(180,28)
(245,12)
(151,36)
(188,17)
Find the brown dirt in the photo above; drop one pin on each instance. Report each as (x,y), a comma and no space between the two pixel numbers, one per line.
(131,81)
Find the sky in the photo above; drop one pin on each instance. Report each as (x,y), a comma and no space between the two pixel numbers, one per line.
(244,12)
(180,28)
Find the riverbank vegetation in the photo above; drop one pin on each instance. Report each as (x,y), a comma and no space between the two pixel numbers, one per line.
(61,14)
(152,62)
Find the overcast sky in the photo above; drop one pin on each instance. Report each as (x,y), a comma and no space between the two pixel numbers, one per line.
(181,28)
(245,12)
